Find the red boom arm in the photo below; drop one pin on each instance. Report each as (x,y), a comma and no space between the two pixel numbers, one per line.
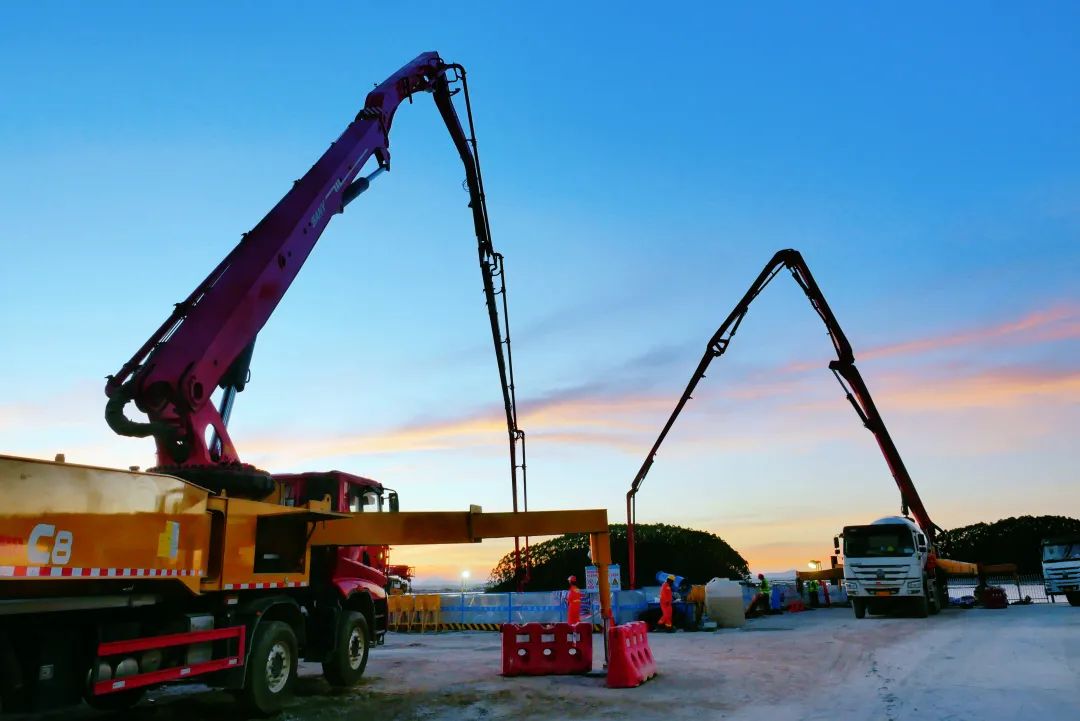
(208,339)
(843,368)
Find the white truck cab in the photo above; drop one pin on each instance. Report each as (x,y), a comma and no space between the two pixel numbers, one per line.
(889,564)
(1061,568)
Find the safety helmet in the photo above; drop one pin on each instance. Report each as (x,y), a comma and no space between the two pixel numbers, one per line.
(670,578)
(572,579)
(761,576)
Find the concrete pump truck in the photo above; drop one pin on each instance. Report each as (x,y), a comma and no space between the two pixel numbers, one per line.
(892,561)
(208,568)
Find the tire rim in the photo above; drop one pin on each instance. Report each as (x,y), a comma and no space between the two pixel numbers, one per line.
(357,642)
(278,667)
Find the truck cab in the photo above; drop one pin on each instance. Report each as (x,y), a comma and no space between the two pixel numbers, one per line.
(1061,567)
(889,564)
(352,570)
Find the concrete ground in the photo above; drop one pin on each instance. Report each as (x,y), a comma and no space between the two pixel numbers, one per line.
(1019,663)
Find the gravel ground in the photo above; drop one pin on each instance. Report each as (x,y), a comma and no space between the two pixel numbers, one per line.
(1019,663)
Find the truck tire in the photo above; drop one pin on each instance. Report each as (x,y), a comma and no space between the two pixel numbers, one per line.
(942,595)
(271,668)
(858,605)
(933,598)
(345,664)
(922,604)
(1073,597)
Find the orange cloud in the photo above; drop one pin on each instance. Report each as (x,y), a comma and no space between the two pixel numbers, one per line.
(999,388)
(1057,323)
(586,419)
(996,388)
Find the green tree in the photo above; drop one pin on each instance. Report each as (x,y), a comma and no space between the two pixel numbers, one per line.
(698,555)
(1010,540)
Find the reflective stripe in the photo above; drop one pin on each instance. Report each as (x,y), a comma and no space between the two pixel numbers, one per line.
(79,572)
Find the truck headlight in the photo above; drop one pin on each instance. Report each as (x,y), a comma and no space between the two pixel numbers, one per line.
(914,585)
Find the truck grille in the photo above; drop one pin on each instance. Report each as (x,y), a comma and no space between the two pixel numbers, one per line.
(870,572)
(1063,574)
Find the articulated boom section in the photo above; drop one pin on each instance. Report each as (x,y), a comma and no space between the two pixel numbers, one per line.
(208,340)
(173,375)
(843,367)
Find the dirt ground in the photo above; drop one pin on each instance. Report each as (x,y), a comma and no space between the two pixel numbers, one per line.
(1019,663)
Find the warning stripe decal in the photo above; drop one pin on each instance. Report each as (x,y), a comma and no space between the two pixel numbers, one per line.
(470,627)
(264,584)
(76,572)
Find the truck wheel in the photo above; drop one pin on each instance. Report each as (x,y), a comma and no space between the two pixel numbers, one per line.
(115,701)
(933,599)
(859,606)
(271,670)
(922,604)
(943,595)
(1073,597)
(345,664)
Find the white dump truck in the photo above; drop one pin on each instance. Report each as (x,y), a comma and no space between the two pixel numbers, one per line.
(1061,568)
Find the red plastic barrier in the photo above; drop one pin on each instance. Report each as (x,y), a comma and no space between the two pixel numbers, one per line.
(542,649)
(631,661)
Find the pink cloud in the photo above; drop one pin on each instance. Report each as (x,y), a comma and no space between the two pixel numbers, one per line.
(1060,322)
(585,419)
(996,388)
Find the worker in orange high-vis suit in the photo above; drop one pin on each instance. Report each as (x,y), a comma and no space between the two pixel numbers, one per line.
(665,604)
(573,602)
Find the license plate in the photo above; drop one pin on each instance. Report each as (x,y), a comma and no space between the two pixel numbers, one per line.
(882,593)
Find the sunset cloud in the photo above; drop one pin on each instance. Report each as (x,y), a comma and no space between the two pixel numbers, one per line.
(581,416)
(1060,322)
(1050,324)
(996,388)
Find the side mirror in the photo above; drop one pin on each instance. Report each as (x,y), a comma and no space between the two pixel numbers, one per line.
(393,501)
(836,543)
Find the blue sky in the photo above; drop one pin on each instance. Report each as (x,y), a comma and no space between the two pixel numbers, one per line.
(641,167)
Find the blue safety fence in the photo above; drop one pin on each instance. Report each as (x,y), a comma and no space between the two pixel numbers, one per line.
(533,606)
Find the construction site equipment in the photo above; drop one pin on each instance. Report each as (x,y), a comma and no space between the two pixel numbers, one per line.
(401,611)
(994,597)
(546,649)
(680,584)
(631,661)
(428,612)
(724,602)
(891,563)
(843,368)
(1061,568)
(114,581)
(930,580)
(208,341)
